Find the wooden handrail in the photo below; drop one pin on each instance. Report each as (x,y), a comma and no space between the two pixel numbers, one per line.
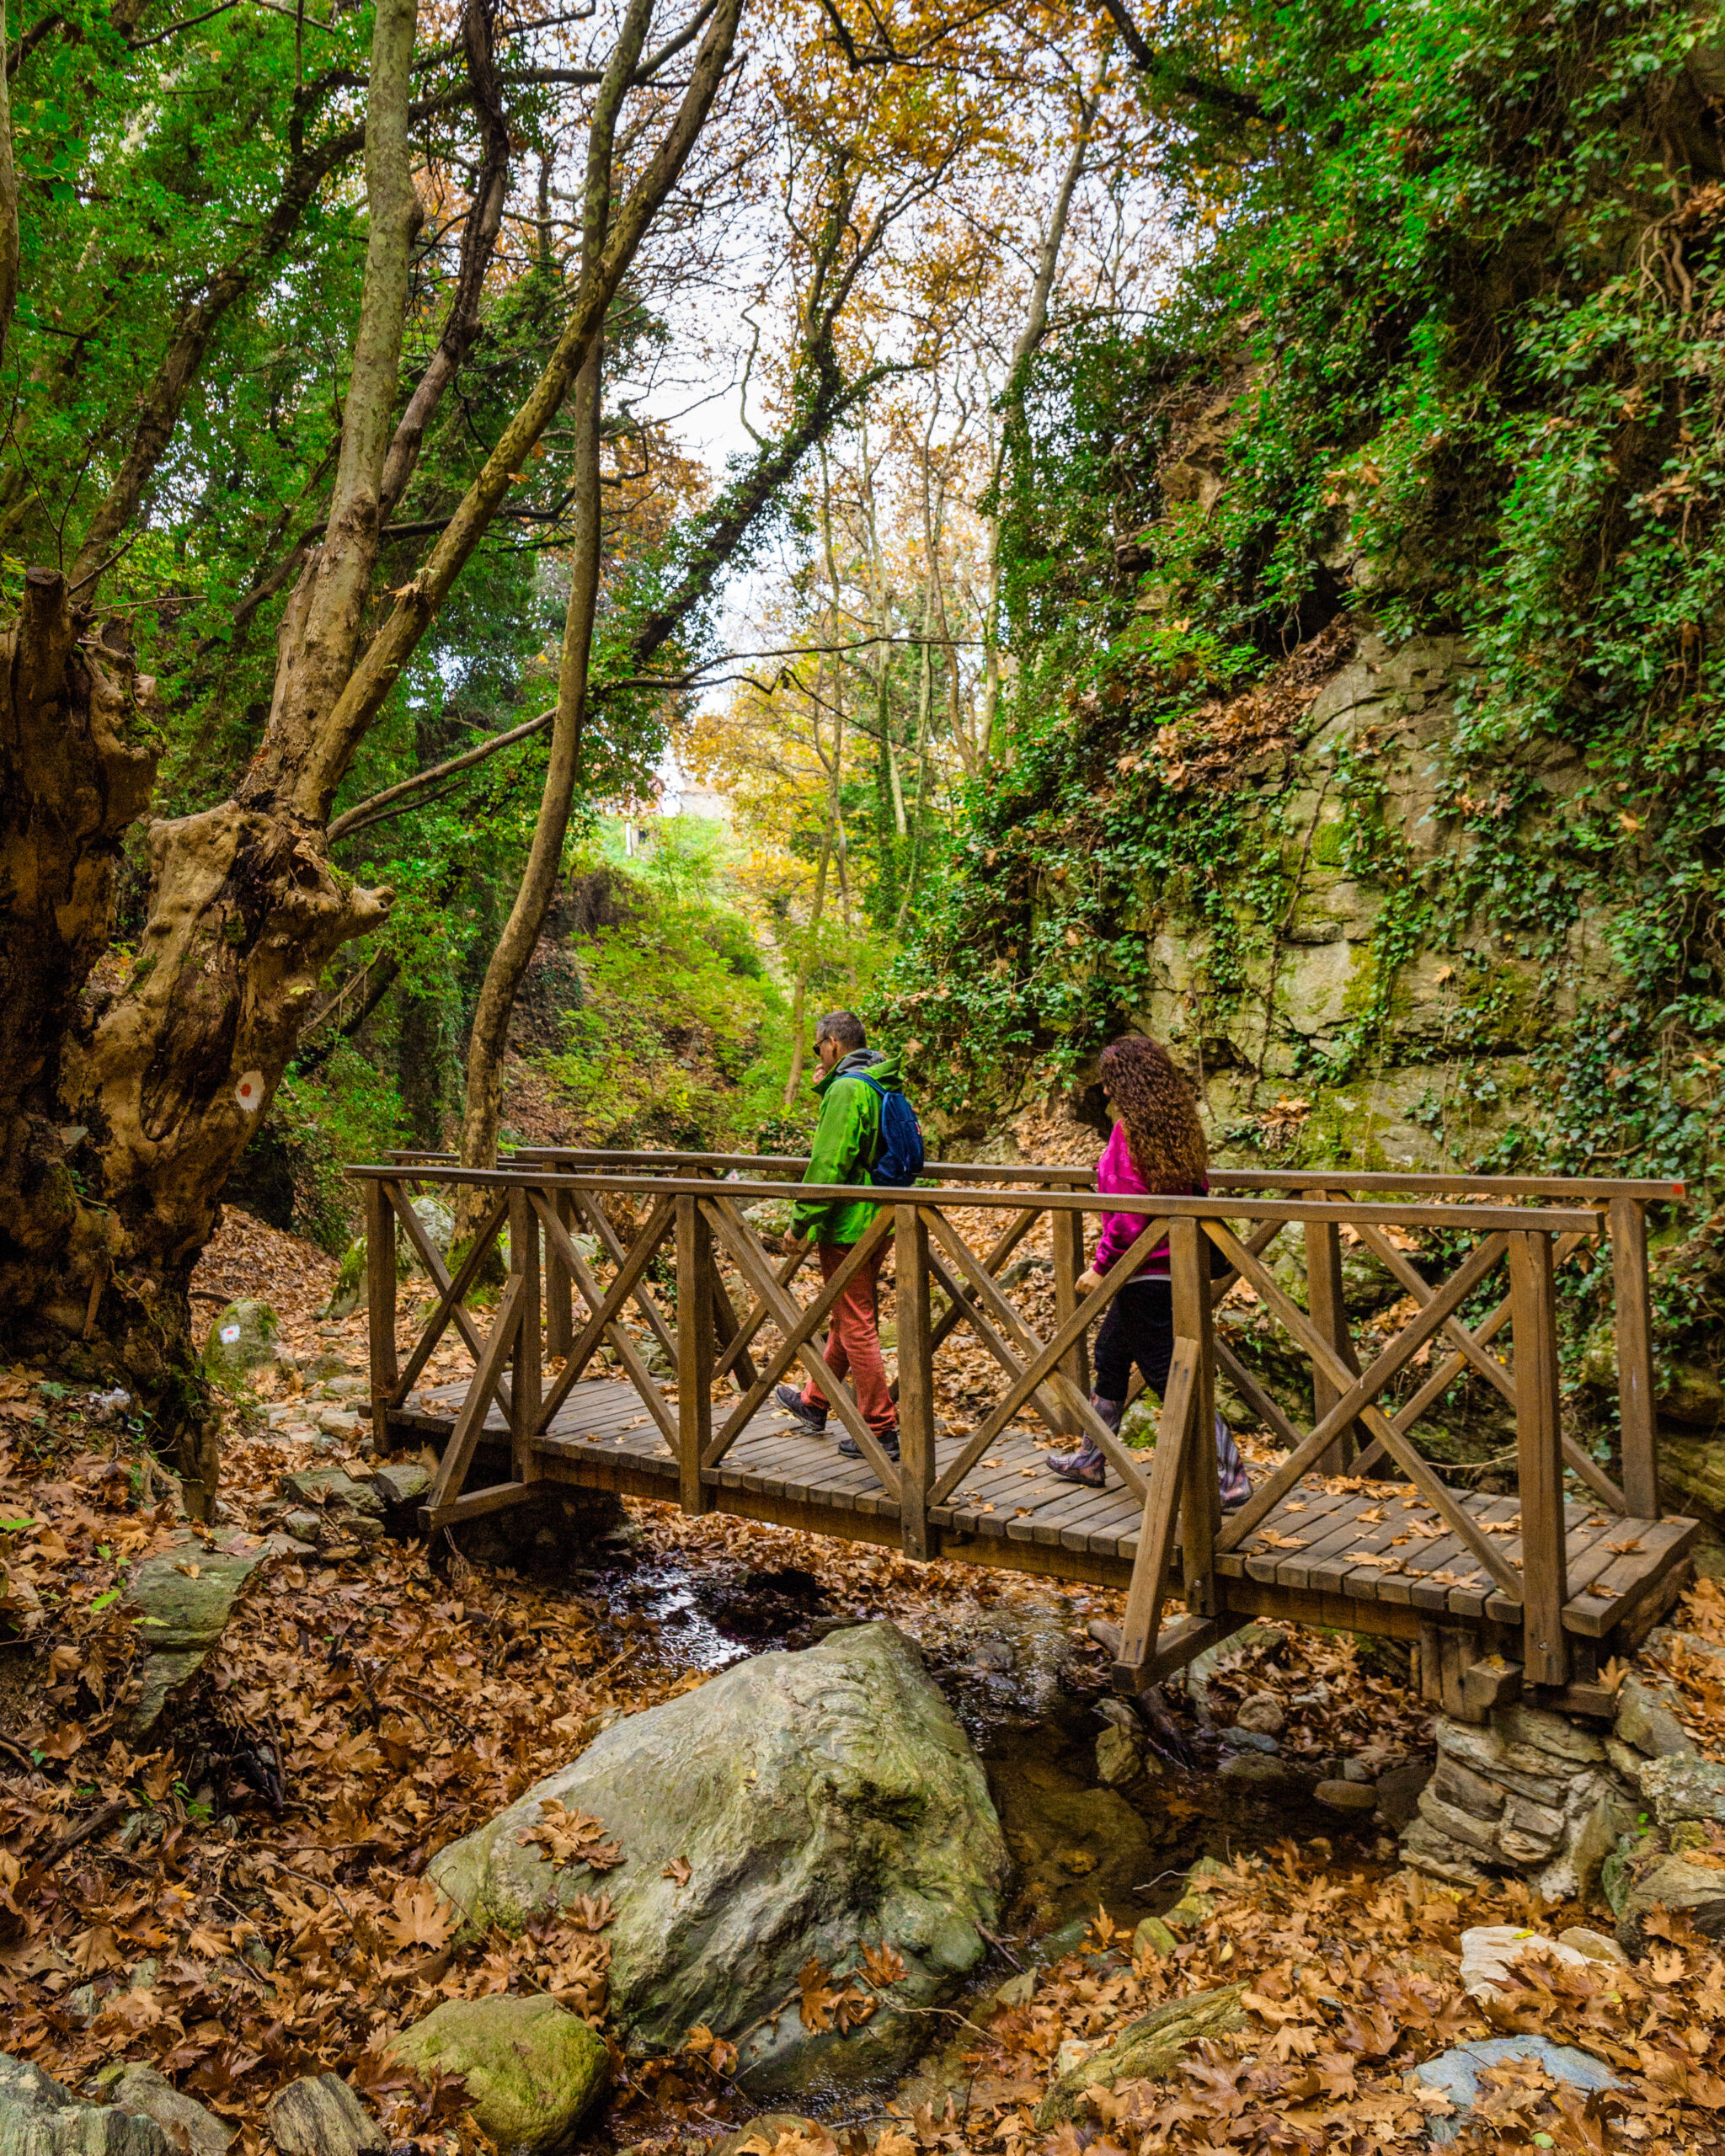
(1557,1219)
(1600,1187)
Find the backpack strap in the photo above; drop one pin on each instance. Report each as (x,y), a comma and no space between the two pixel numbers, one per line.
(879,1093)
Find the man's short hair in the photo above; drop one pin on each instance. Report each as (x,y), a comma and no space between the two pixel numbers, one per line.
(844,1027)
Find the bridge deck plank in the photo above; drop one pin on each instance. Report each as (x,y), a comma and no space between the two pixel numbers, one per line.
(603,1435)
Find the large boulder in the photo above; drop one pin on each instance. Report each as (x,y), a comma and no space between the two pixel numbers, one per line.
(40,2116)
(798,1808)
(531,2069)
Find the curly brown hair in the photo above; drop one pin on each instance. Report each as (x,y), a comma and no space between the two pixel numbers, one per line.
(1159,1111)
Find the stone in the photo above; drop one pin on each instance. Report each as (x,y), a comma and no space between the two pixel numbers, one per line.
(1456,2074)
(192,2130)
(40,2117)
(1016,1991)
(1489,1951)
(1195,1907)
(348,1292)
(1202,1667)
(1249,1740)
(821,1799)
(1591,1837)
(1426,1849)
(336,1491)
(320,2115)
(1674,1883)
(186,1595)
(1460,1786)
(1553,1736)
(1476,1834)
(1681,1787)
(1647,1720)
(336,1422)
(1147,2050)
(1399,1792)
(401,1482)
(1343,1796)
(1529,1832)
(1262,1712)
(1596,1946)
(1118,1760)
(241,1339)
(531,2067)
(1104,1634)
(1152,1936)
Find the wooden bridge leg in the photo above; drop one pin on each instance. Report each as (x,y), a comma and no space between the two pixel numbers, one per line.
(560,1288)
(1628,1222)
(1538,1460)
(915,1384)
(695,1352)
(1200,1513)
(1326,1306)
(380,1303)
(1069,1262)
(526,1374)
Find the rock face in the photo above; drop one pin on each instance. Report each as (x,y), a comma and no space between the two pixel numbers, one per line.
(41,2117)
(531,2069)
(187,1595)
(241,1340)
(1144,2051)
(822,1801)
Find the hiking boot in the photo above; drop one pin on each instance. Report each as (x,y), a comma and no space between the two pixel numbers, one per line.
(792,1403)
(1087,1466)
(888,1442)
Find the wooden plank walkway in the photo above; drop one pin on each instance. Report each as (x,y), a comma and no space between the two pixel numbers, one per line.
(1371,1557)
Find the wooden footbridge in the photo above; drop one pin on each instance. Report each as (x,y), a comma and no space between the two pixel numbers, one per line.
(617,1259)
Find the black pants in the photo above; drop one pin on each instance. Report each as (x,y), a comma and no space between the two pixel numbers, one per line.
(1138,1328)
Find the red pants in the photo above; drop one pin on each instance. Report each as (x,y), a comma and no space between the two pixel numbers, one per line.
(853,1339)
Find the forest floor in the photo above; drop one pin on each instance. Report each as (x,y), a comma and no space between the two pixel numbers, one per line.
(238,1898)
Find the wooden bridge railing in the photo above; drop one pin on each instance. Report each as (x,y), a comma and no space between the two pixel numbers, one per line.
(736,1323)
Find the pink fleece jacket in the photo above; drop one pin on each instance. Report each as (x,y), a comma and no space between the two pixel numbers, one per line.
(1116,1172)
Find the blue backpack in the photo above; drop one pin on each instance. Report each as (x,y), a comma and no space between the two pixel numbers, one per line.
(899,1159)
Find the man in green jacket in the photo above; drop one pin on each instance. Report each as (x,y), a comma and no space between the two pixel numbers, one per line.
(847,1145)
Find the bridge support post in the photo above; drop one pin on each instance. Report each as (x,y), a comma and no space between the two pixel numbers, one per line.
(560,1288)
(694,1351)
(1068,1228)
(526,1374)
(1539,1450)
(1628,1219)
(1201,1511)
(915,1383)
(1326,1306)
(380,1304)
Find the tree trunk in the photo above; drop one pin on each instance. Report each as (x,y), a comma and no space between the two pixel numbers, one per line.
(532,901)
(124,1105)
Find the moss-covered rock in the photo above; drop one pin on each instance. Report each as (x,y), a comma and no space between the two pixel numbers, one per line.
(819,1801)
(241,1340)
(531,2069)
(1148,2050)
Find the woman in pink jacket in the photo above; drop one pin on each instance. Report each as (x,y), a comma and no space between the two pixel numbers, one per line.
(1156,1147)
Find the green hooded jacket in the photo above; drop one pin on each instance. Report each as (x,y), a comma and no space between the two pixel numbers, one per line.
(846,1140)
